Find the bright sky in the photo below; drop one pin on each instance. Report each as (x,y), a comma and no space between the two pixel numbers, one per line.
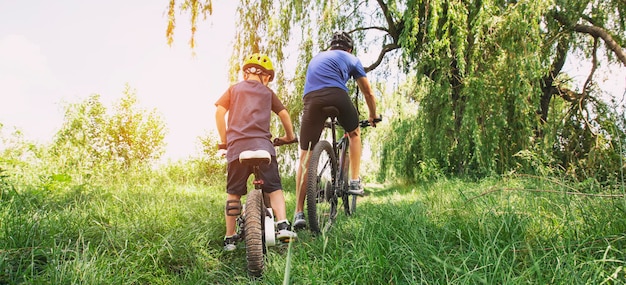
(63,51)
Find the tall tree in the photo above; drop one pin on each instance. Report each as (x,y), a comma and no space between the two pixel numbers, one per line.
(489,69)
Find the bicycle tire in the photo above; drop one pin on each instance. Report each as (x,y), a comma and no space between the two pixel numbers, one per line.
(344,177)
(321,198)
(255,243)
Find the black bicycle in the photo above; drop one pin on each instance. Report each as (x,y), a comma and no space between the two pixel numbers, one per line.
(328,176)
(255,223)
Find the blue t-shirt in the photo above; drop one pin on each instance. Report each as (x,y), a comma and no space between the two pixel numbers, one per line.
(332,68)
(250,105)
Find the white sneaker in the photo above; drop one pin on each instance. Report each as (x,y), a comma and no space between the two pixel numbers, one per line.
(230,243)
(356,188)
(298,221)
(284,233)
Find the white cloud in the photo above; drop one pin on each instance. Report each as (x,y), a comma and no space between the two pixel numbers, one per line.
(26,84)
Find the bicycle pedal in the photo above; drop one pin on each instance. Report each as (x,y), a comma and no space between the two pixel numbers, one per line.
(287,240)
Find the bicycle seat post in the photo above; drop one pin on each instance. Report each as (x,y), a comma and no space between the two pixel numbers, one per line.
(332,112)
(255,159)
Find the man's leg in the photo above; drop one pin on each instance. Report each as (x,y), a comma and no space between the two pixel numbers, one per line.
(355,153)
(301,173)
(356,188)
(299,222)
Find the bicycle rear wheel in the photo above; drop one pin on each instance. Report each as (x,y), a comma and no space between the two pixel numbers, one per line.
(344,177)
(320,194)
(255,244)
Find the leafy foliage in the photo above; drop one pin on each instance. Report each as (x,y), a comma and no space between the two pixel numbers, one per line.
(489,91)
(91,137)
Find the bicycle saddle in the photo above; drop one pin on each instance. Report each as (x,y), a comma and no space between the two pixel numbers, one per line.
(330,111)
(255,157)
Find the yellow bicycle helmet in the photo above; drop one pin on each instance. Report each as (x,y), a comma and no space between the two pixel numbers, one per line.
(258,63)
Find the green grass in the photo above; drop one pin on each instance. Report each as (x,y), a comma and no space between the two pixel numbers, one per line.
(153,230)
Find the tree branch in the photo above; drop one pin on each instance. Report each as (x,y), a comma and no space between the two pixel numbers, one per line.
(387,48)
(393,31)
(594,31)
(369,28)
(569,95)
(547,82)
(604,35)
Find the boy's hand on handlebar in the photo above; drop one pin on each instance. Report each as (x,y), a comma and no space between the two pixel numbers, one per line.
(221,152)
(221,149)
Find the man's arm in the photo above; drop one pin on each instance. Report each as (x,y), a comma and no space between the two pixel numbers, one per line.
(365,87)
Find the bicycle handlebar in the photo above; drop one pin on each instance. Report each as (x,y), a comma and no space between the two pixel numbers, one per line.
(279,142)
(366,123)
(276,142)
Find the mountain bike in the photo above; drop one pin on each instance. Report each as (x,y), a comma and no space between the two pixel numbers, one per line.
(328,177)
(255,223)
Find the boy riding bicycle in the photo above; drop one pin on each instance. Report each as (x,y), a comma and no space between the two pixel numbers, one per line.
(249,105)
(325,85)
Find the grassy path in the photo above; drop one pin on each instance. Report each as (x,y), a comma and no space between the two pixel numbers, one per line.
(504,231)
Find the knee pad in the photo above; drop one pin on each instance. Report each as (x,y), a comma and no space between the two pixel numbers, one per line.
(233,207)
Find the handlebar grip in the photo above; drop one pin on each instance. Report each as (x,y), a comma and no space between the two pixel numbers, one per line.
(366,123)
(279,142)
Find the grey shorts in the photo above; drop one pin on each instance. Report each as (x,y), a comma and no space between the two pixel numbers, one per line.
(238,174)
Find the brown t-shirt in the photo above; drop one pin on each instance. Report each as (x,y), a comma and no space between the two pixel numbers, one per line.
(249,104)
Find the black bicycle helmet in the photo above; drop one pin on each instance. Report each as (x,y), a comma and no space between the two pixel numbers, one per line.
(341,40)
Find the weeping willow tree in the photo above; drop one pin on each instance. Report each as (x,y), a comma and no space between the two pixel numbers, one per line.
(487,75)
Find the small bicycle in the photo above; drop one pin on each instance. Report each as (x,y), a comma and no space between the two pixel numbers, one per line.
(255,222)
(327,176)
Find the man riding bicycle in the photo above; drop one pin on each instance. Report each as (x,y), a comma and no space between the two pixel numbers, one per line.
(325,85)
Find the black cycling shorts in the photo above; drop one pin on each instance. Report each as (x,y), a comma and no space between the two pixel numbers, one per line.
(238,175)
(312,121)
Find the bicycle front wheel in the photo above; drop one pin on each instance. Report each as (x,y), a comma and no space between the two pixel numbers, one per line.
(320,193)
(253,229)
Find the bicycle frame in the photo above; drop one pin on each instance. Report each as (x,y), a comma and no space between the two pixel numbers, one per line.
(340,150)
(255,223)
(327,174)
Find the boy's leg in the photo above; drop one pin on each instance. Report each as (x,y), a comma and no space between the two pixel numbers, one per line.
(231,220)
(277,199)
(273,187)
(235,188)
(283,229)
